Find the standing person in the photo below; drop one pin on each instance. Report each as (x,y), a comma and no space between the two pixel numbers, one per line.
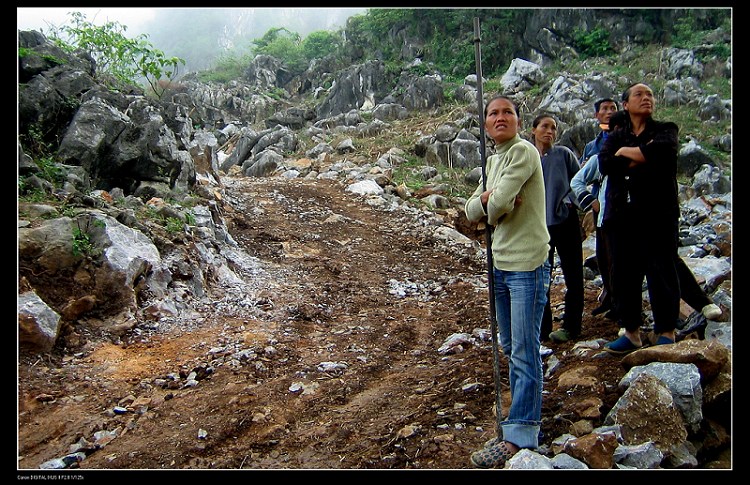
(594,200)
(690,291)
(642,213)
(513,203)
(559,164)
(603,110)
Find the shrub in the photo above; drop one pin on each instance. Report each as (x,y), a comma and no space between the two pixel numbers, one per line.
(125,61)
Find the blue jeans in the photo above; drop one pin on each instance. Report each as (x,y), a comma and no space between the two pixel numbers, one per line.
(520,297)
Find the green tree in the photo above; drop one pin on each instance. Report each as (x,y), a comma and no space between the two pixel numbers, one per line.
(447,35)
(320,43)
(592,43)
(120,61)
(284,45)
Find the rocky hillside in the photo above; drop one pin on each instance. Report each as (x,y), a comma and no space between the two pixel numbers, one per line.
(128,224)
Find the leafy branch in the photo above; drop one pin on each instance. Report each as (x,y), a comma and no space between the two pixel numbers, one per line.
(125,61)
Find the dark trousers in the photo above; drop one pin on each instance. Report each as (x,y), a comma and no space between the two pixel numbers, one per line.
(604,262)
(565,238)
(637,252)
(690,290)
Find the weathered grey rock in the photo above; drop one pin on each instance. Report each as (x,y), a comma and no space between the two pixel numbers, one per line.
(365,187)
(521,75)
(293,118)
(464,154)
(681,456)
(527,459)
(565,99)
(563,461)
(721,332)
(346,146)
(419,93)
(446,132)
(682,380)
(646,412)
(641,456)
(681,92)
(38,324)
(248,139)
(263,164)
(353,88)
(709,357)
(682,63)
(691,158)
(266,72)
(709,179)
(389,112)
(437,154)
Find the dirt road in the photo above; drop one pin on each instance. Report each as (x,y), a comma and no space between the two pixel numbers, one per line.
(333,364)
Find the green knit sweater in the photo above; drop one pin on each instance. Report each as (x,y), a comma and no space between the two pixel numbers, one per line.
(520,241)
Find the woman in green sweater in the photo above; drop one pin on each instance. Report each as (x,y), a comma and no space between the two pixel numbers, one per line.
(514,204)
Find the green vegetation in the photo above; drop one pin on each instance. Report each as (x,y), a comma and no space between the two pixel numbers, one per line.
(26,194)
(26,52)
(174,225)
(320,44)
(295,52)
(591,43)
(280,43)
(408,174)
(691,27)
(120,61)
(447,35)
(228,67)
(82,245)
(33,142)
(284,45)
(50,171)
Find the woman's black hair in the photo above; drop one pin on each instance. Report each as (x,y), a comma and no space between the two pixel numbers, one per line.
(626,93)
(619,119)
(502,96)
(540,117)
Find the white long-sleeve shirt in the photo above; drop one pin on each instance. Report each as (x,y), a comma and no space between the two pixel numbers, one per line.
(590,175)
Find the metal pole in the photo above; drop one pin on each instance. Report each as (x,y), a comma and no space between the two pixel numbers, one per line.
(488,233)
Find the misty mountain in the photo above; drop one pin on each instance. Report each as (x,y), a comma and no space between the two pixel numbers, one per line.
(202,35)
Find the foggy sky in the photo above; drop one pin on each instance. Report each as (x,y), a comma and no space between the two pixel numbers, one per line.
(200,35)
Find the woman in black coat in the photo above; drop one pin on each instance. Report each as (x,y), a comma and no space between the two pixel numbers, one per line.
(642,214)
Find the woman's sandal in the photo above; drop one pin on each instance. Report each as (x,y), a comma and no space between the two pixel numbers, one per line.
(493,456)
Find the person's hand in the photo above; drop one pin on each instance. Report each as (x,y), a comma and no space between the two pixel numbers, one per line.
(588,224)
(633,153)
(485,197)
(595,206)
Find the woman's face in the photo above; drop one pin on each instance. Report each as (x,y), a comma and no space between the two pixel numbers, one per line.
(545,132)
(502,121)
(640,101)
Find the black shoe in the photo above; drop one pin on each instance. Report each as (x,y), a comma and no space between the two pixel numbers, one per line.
(604,307)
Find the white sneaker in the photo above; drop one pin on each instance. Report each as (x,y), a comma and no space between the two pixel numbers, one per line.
(711,311)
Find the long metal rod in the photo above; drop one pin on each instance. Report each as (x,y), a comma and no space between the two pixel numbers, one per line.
(488,233)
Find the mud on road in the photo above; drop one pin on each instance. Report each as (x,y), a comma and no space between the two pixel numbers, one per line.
(340,331)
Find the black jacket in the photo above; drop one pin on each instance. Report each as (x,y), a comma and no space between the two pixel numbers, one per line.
(647,191)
